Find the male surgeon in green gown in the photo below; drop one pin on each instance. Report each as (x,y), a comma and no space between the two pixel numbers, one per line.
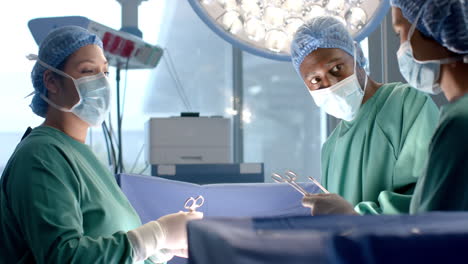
(375,154)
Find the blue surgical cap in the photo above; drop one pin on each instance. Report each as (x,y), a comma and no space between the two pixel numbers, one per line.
(53,50)
(445,21)
(323,32)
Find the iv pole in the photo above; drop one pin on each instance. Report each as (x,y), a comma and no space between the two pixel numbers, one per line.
(119,122)
(130,25)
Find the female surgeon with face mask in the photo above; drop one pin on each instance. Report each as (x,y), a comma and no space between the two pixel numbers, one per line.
(58,203)
(433,56)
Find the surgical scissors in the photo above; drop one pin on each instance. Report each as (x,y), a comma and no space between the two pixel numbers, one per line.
(192,204)
(290,179)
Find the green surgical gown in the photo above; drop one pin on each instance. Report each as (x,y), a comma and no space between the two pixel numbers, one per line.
(374,160)
(59,204)
(444,184)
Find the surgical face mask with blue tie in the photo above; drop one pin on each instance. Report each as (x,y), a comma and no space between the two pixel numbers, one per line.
(343,99)
(94,92)
(422,75)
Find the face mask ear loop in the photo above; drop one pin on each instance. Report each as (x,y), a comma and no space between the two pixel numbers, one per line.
(355,45)
(58,107)
(36,58)
(365,85)
(354,55)
(32,93)
(412,29)
(413,26)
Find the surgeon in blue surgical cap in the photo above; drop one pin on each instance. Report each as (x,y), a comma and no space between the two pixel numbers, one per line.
(433,57)
(377,151)
(58,203)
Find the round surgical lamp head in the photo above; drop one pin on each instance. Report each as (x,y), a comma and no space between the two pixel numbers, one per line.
(266,27)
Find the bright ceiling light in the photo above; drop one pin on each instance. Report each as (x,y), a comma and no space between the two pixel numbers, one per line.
(335,7)
(266,27)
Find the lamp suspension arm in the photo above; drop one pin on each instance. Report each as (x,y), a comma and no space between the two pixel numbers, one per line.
(130,16)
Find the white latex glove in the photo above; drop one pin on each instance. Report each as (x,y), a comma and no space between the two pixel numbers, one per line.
(327,203)
(168,234)
(181,252)
(174,227)
(164,255)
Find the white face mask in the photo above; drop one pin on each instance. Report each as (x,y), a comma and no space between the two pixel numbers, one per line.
(343,99)
(422,75)
(94,92)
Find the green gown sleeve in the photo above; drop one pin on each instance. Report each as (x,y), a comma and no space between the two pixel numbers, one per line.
(419,122)
(443,186)
(45,198)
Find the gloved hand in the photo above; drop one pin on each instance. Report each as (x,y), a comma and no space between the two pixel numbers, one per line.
(174,227)
(182,252)
(164,255)
(327,203)
(168,232)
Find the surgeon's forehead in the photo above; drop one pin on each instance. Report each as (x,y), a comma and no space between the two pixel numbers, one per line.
(322,59)
(88,53)
(326,55)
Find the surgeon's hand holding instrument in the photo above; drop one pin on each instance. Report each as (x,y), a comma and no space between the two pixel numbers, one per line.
(168,234)
(289,178)
(327,203)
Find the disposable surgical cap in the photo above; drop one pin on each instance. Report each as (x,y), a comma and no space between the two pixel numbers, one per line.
(323,32)
(53,50)
(445,21)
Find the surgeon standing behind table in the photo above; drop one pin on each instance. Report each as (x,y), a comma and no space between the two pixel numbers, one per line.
(433,57)
(375,154)
(58,203)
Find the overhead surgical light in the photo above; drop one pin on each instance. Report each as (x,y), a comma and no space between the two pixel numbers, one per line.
(266,27)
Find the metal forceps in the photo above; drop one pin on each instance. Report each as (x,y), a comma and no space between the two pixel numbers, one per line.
(290,179)
(313,180)
(192,204)
(318,184)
